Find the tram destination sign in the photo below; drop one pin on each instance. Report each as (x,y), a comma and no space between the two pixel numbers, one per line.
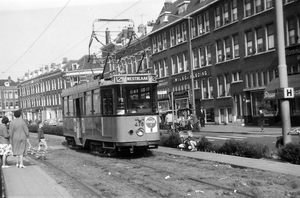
(137,78)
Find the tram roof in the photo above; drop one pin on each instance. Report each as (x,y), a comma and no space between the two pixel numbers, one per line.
(113,80)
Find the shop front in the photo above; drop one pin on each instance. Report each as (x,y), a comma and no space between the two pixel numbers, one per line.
(272,95)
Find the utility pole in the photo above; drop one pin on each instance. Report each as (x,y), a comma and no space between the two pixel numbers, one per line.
(282,70)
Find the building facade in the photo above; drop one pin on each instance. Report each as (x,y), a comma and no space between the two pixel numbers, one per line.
(9,98)
(223,53)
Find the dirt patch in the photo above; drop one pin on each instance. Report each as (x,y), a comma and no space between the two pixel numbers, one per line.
(159,175)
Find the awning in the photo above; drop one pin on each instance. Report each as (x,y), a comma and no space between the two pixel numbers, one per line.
(293,81)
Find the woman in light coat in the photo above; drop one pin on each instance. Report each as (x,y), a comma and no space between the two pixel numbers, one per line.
(18,131)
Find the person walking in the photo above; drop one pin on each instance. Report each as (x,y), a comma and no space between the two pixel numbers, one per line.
(261,120)
(169,121)
(202,117)
(194,123)
(5,148)
(42,142)
(18,131)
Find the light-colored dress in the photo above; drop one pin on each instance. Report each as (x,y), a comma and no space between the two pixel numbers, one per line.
(5,147)
(18,131)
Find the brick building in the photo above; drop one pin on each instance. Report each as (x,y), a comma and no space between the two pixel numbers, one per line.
(229,49)
(9,100)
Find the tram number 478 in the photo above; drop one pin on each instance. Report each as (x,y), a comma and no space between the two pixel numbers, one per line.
(139,123)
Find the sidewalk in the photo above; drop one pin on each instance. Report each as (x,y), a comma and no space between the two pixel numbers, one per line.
(285,168)
(238,129)
(31,182)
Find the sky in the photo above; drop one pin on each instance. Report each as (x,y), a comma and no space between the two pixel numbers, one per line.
(35,33)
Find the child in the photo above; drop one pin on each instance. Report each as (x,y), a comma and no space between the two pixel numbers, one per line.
(191,141)
(42,141)
(5,147)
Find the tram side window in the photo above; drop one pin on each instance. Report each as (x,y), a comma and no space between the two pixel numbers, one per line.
(107,102)
(88,103)
(65,101)
(71,107)
(96,102)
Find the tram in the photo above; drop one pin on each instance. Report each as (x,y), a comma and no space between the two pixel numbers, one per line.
(113,115)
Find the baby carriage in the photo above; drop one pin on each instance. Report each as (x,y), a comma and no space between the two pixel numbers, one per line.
(39,153)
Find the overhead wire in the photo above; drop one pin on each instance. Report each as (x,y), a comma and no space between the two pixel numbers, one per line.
(96,30)
(36,39)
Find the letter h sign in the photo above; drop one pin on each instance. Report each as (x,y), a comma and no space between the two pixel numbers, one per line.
(288,92)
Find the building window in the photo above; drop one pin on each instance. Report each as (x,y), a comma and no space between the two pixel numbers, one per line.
(200,25)
(259,40)
(166,67)
(174,67)
(208,54)
(204,89)
(219,51)
(184,32)
(206,22)
(217,17)
(194,29)
(289,1)
(195,58)
(270,36)
(161,68)
(291,31)
(226,13)
(236,76)
(210,90)
(249,45)
(227,48)
(172,36)
(269,4)
(156,69)
(221,87)
(227,83)
(236,47)
(258,6)
(178,34)
(164,35)
(185,61)
(202,56)
(234,10)
(248,7)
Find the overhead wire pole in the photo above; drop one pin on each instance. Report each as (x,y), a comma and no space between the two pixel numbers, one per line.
(282,70)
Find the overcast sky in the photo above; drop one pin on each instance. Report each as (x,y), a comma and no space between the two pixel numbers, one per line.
(35,33)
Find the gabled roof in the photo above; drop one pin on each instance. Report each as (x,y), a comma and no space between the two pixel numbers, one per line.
(11,82)
(194,6)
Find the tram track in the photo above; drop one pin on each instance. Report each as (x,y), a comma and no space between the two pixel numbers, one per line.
(144,182)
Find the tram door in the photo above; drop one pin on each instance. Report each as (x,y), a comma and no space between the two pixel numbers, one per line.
(78,120)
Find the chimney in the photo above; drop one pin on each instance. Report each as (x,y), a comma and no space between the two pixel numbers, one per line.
(107,36)
(65,60)
(142,29)
(167,3)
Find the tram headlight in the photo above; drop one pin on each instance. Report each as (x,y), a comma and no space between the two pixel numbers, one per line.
(140,132)
(130,132)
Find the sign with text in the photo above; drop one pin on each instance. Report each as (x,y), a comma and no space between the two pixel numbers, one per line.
(282,93)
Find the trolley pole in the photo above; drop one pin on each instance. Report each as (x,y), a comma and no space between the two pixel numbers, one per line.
(282,70)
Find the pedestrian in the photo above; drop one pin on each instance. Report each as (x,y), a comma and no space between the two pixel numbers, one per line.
(41,137)
(194,123)
(18,131)
(169,120)
(261,120)
(5,148)
(202,117)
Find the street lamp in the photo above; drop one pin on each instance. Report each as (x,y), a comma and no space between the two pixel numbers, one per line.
(189,41)
(282,70)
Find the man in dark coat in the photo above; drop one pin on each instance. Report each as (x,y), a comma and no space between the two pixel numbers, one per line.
(202,117)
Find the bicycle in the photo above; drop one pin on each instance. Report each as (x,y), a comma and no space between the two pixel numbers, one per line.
(293,132)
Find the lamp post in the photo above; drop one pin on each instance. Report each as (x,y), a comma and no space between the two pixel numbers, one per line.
(282,70)
(189,42)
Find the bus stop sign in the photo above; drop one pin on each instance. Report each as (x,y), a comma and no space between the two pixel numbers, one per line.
(283,93)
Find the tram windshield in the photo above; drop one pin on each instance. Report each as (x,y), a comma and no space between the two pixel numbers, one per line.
(137,99)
